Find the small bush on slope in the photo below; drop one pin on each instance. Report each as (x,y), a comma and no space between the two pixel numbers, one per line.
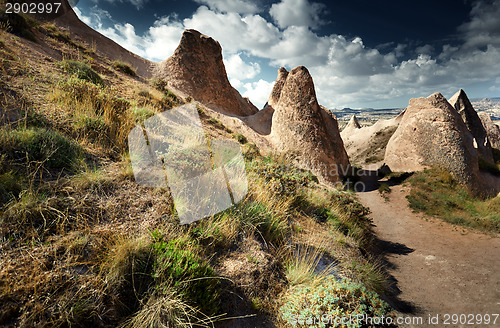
(332,299)
(81,70)
(49,147)
(124,67)
(97,114)
(178,265)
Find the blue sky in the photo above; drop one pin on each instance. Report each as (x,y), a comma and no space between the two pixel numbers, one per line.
(360,53)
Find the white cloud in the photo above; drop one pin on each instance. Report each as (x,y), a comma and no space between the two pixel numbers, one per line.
(297,13)
(137,3)
(258,92)
(235,6)
(494,88)
(236,68)
(345,71)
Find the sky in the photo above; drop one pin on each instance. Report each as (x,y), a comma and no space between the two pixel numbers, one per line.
(361,54)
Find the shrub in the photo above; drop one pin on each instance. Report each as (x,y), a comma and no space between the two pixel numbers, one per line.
(158,84)
(305,305)
(384,188)
(81,70)
(271,224)
(98,115)
(282,177)
(49,147)
(128,270)
(124,67)
(142,113)
(178,265)
(300,268)
(241,138)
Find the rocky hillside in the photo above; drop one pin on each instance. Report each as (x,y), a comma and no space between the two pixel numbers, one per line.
(82,244)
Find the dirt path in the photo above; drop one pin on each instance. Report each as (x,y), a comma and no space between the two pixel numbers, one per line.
(438,268)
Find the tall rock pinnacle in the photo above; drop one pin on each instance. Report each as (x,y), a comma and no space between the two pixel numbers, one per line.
(469,115)
(197,69)
(301,126)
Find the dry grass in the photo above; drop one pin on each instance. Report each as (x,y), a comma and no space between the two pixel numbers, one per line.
(437,193)
(168,311)
(89,247)
(303,266)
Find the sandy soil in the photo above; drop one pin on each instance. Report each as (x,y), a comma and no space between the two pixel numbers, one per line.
(437,268)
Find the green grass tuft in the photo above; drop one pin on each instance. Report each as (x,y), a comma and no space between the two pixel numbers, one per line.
(241,138)
(435,192)
(178,265)
(47,147)
(124,67)
(81,71)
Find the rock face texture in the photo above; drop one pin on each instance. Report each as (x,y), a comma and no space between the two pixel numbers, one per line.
(301,126)
(196,69)
(432,133)
(366,145)
(278,86)
(492,130)
(353,123)
(471,119)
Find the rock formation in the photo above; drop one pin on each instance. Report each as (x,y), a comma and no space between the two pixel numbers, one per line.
(196,69)
(278,86)
(366,145)
(492,130)
(432,133)
(469,115)
(301,126)
(353,123)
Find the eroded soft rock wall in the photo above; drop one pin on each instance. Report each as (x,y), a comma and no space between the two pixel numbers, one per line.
(463,106)
(301,126)
(196,69)
(492,130)
(432,133)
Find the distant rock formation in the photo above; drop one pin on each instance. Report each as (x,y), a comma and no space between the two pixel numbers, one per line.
(196,69)
(365,146)
(301,126)
(463,106)
(432,133)
(353,123)
(492,130)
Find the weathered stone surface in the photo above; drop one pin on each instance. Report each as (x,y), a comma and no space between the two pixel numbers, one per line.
(302,127)
(432,133)
(353,123)
(196,69)
(461,103)
(278,86)
(492,130)
(365,146)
